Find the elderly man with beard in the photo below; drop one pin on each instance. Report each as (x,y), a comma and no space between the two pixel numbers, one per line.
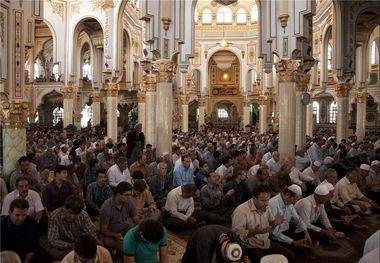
(35,205)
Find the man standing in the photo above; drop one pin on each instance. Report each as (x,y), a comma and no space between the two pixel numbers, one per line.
(283,204)
(34,200)
(253,222)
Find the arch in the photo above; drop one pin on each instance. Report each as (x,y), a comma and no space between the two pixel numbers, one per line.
(54,35)
(44,92)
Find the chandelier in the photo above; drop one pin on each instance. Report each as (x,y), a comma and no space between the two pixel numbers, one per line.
(225,2)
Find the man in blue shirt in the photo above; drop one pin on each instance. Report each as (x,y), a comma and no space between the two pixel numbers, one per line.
(141,243)
(183,174)
(282,204)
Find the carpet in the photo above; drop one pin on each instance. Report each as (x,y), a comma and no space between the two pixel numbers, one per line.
(176,248)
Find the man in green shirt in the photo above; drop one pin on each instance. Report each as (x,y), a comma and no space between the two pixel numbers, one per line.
(142,241)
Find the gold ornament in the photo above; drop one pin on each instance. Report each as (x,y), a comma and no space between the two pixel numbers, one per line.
(286,70)
(164,70)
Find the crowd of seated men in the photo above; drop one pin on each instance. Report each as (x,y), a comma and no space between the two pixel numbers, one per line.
(120,198)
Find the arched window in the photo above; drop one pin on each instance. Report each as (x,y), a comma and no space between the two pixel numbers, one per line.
(329,57)
(224,15)
(87,72)
(316,111)
(254,76)
(254,13)
(241,16)
(333,111)
(196,16)
(86,116)
(206,16)
(57,115)
(374,55)
(36,71)
(222,114)
(55,71)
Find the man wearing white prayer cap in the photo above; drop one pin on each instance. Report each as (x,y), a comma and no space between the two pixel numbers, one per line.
(283,203)
(373,181)
(275,258)
(364,171)
(311,209)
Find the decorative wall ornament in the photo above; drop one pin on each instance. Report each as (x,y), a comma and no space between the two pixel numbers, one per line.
(75,8)
(141,97)
(201,102)
(112,89)
(284,21)
(2,29)
(343,89)
(149,82)
(58,8)
(361,97)
(166,23)
(68,92)
(18,65)
(251,56)
(96,97)
(184,99)
(302,80)
(13,114)
(164,70)
(286,69)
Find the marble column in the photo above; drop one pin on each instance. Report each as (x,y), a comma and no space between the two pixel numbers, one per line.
(112,91)
(263,111)
(185,113)
(342,91)
(361,99)
(149,82)
(96,97)
(287,106)
(164,69)
(68,105)
(246,105)
(13,123)
(302,80)
(141,110)
(309,119)
(202,112)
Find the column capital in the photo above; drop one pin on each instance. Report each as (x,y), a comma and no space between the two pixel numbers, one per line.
(263,100)
(68,92)
(13,114)
(286,70)
(96,97)
(201,102)
(112,89)
(184,99)
(246,102)
(361,97)
(141,97)
(164,68)
(302,80)
(342,89)
(149,82)
(77,117)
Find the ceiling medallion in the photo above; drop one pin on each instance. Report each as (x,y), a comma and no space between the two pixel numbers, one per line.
(225,2)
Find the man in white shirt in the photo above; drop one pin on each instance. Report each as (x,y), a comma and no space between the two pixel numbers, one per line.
(226,169)
(311,209)
(274,164)
(347,193)
(283,204)
(118,172)
(180,208)
(309,176)
(67,160)
(22,191)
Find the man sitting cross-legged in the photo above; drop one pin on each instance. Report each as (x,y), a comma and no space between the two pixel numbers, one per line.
(65,224)
(117,215)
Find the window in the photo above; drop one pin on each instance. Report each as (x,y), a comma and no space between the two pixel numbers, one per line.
(87,72)
(373,53)
(196,16)
(36,71)
(206,16)
(57,115)
(254,77)
(55,72)
(316,111)
(86,116)
(241,16)
(329,57)
(333,111)
(224,15)
(254,13)
(222,114)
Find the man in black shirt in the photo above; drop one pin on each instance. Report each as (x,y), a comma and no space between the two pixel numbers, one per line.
(19,233)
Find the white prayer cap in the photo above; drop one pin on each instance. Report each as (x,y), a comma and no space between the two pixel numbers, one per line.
(322,189)
(365,167)
(63,145)
(274,258)
(328,160)
(295,189)
(375,162)
(316,163)
(165,153)
(329,186)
